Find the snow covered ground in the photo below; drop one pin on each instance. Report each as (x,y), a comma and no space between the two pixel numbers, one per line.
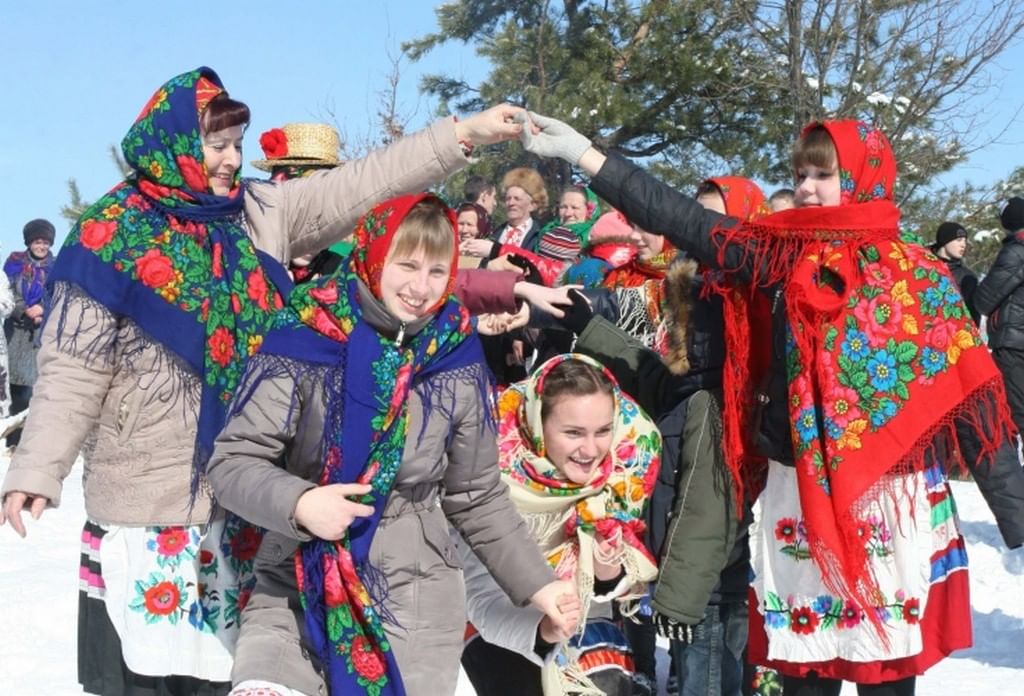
(39,586)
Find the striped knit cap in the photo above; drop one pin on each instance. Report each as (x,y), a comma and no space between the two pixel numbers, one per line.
(560,243)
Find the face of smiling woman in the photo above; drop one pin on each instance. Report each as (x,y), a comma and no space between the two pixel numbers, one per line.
(222,153)
(411,285)
(578,434)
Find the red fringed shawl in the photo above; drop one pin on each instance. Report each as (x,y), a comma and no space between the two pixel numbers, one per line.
(881,354)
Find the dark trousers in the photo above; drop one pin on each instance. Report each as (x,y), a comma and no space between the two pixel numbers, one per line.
(642,636)
(1011,364)
(20,396)
(496,671)
(813,685)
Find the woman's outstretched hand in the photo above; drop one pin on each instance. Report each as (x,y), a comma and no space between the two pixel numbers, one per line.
(501,122)
(552,138)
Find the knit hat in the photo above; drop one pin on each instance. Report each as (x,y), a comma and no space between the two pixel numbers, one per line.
(530,181)
(1012,216)
(38,229)
(560,243)
(947,232)
(611,227)
(299,144)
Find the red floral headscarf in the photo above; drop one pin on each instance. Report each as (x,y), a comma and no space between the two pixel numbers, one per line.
(882,356)
(743,198)
(376,232)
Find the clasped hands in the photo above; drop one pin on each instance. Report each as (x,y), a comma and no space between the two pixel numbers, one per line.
(562,610)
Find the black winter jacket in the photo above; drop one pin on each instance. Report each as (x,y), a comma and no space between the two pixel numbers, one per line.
(1000,295)
(655,206)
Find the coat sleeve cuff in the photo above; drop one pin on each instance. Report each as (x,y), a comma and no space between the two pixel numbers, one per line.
(34,483)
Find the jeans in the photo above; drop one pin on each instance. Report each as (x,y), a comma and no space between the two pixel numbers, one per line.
(712,665)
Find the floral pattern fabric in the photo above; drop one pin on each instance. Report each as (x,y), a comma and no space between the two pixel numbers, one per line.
(806,621)
(566,518)
(611,504)
(175,258)
(882,358)
(367,386)
(175,596)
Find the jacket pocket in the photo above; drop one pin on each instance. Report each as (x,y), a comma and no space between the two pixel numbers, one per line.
(275,548)
(129,406)
(438,540)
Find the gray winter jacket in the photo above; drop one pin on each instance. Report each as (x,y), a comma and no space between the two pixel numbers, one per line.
(270,454)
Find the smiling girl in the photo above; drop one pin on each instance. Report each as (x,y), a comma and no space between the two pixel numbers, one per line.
(362,429)
(580,459)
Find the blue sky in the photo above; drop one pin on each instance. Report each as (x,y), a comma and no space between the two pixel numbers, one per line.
(76,74)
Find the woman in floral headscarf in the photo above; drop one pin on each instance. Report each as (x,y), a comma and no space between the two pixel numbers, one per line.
(875,381)
(366,407)
(580,459)
(162,291)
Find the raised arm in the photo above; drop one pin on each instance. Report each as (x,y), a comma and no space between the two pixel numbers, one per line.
(644,200)
(319,210)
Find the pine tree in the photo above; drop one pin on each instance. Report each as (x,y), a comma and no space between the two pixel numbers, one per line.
(697,88)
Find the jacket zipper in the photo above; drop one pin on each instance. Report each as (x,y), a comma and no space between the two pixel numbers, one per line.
(400,336)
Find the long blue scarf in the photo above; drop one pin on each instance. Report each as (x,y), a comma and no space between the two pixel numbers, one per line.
(367,382)
(174,258)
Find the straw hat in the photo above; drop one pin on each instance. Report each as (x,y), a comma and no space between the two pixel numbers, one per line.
(299,143)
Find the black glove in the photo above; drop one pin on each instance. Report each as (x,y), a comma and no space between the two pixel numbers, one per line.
(530,272)
(674,630)
(577,315)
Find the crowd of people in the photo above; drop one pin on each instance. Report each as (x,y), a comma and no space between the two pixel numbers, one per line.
(341,437)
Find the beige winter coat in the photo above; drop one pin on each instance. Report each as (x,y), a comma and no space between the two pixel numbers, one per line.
(133,412)
(270,454)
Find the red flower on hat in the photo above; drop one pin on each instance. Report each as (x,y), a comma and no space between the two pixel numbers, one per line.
(274,143)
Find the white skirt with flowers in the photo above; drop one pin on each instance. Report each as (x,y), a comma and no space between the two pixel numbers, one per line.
(173,594)
(913,541)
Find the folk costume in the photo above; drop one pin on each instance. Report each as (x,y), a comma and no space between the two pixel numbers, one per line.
(860,570)
(173,259)
(344,392)
(861,321)
(565,519)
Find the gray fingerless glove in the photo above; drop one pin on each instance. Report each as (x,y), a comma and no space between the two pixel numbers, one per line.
(556,139)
